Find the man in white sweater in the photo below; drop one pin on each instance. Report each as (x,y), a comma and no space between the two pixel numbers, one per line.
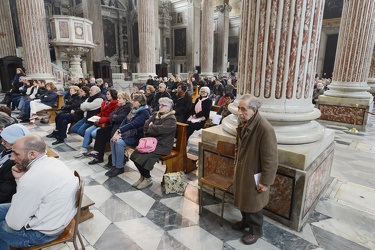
(44,202)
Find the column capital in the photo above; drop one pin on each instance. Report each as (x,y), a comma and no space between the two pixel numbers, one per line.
(224,8)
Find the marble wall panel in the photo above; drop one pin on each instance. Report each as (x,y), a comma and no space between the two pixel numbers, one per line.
(341,114)
(64,29)
(316,182)
(281,194)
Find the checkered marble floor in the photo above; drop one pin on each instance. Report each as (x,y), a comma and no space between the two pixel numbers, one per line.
(127,218)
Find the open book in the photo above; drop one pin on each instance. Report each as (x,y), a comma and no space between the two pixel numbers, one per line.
(94,118)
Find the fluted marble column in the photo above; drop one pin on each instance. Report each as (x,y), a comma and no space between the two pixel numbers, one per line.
(348,94)
(279,43)
(32,19)
(192,33)
(7,42)
(147,32)
(223,37)
(207,37)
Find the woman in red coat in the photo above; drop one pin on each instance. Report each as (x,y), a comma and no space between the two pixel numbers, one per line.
(108,106)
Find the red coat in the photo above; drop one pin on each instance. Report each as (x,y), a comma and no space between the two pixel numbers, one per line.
(106,110)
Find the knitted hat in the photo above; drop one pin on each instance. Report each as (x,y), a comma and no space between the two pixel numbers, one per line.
(14,132)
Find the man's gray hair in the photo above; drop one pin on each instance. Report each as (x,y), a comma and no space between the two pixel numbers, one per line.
(162,85)
(254,103)
(96,89)
(166,101)
(34,142)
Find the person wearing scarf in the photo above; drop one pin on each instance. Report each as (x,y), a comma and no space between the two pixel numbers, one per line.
(162,126)
(200,112)
(90,107)
(128,134)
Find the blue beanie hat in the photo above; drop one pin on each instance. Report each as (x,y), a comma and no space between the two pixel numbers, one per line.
(14,132)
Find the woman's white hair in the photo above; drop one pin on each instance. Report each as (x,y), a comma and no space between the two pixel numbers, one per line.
(166,101)
(206,89)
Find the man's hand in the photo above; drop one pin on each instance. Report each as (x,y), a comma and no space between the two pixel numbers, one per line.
(18,172)
(262,188)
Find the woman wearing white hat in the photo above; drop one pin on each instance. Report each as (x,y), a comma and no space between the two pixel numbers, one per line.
(7,183)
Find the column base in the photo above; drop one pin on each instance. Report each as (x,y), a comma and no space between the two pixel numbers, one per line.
(341,111)
(371,84)
(302,176)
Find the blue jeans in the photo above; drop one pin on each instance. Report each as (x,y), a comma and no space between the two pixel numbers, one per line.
(19,238)
(81,126)
(90,132)
(117,149)
(26,108)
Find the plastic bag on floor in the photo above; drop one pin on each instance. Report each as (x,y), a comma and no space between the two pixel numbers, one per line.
(174,183)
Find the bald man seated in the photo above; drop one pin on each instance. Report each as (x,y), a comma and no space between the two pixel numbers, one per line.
(44,203)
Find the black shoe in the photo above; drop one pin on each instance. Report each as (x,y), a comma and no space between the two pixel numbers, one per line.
(95,161)
(115,172)
(20,116)
(57,142)
(52,135)
(112,168)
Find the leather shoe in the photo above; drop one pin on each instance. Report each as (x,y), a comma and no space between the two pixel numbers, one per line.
(115,172)
(249,238)
(57,142)
(95,161)
(239,226)
(52,135)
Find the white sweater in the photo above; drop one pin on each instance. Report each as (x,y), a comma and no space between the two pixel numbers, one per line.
(45,197)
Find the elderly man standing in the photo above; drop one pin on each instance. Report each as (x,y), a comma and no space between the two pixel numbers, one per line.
(256,152)
(44,203)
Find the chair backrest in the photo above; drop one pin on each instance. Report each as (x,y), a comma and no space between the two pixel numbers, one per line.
(225,149)
(79,196)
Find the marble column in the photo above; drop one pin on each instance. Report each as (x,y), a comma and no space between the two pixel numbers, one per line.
(279,44)
(7,42)
(193,34)
(147,32)
(371,76)
(207,37)
(32,19)
(92,10)
(348,98)
(165,26)
(223,37)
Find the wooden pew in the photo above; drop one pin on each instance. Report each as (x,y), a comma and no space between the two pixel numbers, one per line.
(195,95)
(51,111)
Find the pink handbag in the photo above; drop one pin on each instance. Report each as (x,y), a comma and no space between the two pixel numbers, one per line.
(147,145)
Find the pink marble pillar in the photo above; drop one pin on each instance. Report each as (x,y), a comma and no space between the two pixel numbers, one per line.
(32,19)
(348,95)
(7,42)
(147,32)
(278,51)
(207,37)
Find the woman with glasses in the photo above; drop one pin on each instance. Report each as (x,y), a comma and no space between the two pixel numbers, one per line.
(162,126)
(200,112)
(128,134)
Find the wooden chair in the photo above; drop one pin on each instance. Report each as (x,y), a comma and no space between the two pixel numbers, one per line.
(217,180)
(70,232)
